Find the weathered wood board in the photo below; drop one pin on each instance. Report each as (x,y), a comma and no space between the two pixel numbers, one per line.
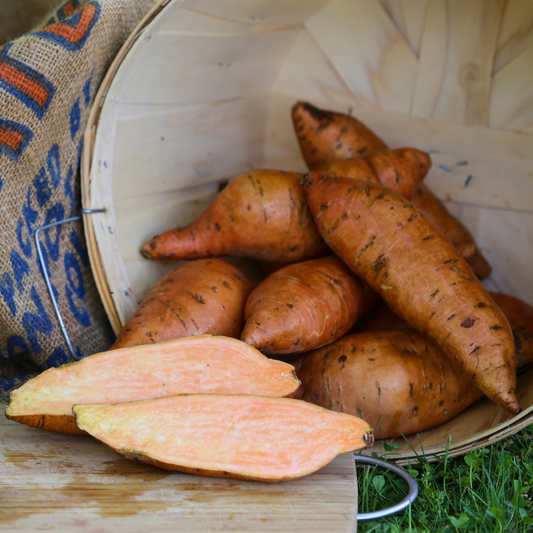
(65,483)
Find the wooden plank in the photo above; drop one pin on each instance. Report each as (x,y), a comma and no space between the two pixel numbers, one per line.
(68,483)
(516,33)
(186,147)
(261,13)
(511,98)
(203,68)
(456,61)
(306,72)
(409,16)
(368,51)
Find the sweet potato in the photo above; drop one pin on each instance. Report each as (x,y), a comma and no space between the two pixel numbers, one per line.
(325,136)
(200,364)
(517,312)
(420,276)
(243,437)
(400,170)
(302,306)
(262,215)
(452,228)
(203,296)
(391,376)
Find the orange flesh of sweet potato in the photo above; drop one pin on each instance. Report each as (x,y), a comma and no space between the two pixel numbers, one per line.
(206,296)
(437,213)
(302,306)
(200,364)
(392,374)
(262,215)
(325,136)
(420,276)
(246,437)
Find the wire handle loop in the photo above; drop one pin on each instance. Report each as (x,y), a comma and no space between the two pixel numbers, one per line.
(400,506)
(46,274)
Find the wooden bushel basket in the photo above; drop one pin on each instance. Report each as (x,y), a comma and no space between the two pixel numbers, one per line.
(202,92)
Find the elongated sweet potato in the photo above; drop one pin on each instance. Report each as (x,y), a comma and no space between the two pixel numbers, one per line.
(394,376)
(302,306)
(244,437)
(452,228)
(400,170)
(420,276)
(203,296)
(200,364)
(325,136)
(517,312)
(262,215)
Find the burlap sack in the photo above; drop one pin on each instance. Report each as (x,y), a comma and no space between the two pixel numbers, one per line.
(48,80)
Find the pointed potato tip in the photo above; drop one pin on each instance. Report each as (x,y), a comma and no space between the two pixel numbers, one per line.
(510,402)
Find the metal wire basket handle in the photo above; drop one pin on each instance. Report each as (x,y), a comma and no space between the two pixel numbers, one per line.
(400,506)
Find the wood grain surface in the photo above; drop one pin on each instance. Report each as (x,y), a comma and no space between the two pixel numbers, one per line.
(65,483)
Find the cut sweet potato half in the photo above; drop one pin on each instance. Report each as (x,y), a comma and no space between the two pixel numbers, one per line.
(244,437)
(200,364)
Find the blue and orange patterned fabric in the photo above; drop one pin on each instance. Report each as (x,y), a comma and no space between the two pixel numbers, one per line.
(48,80)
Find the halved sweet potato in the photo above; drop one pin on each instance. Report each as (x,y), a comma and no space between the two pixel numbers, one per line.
(244,437)
(200,364)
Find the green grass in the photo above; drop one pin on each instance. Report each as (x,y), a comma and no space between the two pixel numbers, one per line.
(487,490)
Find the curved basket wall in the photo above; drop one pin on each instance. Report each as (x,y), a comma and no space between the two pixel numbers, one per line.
(202,92)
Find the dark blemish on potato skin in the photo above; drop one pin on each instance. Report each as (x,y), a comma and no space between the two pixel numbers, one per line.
(196,297)
(451,261)
(290,306)
(433,293)
(481,304)
(342,358)
(153,245)
(429,237)
(411,392)
(450,317)
(496,327)
(468,322)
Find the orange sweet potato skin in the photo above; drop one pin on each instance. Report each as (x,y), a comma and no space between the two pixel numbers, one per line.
(325,136)
(262,215)
(206,296)
(390,374)
(400,170)
(302,306)
(435,211)
(420,276)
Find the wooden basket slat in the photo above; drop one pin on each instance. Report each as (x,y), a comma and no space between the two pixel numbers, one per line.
(264,14)
(511,104)
(409,17)
(307,70)
(189,146)
(456,61)
(215,67)
(368,51)
(516,33)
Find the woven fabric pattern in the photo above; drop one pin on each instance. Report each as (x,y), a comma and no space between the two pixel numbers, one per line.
(48,80)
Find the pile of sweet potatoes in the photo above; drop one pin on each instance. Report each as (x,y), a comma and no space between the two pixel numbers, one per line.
(372,290)
(360,228)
